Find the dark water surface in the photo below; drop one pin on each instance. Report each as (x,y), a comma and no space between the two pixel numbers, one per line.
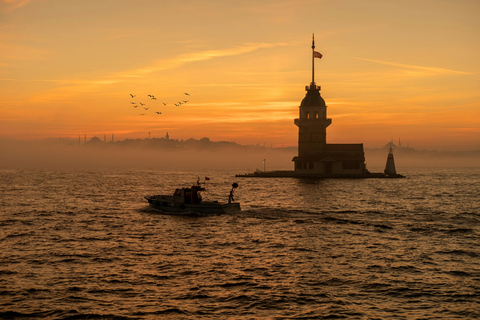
(83,244)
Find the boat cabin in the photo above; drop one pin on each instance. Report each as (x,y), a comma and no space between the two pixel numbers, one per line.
(188,195)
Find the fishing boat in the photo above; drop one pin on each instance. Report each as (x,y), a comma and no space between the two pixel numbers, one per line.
(185,201)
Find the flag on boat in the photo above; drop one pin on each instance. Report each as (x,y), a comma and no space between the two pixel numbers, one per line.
(317,55)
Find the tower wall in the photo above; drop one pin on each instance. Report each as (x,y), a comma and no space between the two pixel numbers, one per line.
(315,155)
(312,122)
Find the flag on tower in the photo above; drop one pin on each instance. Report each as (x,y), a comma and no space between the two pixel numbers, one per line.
(317,55)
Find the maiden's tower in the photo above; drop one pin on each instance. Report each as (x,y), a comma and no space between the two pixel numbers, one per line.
(316,157)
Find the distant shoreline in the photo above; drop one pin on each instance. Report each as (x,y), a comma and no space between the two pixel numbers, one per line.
(201,154)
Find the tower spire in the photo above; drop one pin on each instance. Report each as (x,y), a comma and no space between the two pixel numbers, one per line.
(313,59)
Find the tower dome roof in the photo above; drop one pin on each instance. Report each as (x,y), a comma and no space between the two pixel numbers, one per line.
(313,97)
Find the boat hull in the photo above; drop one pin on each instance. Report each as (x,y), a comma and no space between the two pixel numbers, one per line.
(208,207)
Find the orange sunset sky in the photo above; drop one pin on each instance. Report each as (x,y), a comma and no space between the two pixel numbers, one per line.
(405,69)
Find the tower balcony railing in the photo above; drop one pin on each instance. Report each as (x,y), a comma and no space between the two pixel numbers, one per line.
(309,122)
(312,87)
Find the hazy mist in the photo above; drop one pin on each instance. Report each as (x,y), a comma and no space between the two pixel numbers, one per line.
(28,154)
(42,154)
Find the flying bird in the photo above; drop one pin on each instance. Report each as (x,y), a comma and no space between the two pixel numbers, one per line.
(159,112)
(153,98)
(133,102)
(145,108)
(142,104)
(135,106)
(184,101)
(187,94)
(150,95)
(133,96)
(164,103)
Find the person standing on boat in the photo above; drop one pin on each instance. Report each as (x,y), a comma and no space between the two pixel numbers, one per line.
(230,197)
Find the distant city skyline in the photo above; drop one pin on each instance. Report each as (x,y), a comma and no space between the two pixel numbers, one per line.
(236,71)
(396,144)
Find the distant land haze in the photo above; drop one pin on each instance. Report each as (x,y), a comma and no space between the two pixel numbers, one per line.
(198,153)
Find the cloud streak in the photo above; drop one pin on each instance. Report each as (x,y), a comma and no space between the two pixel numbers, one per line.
(90,85)
(15,4)
(414,69)
(197,57)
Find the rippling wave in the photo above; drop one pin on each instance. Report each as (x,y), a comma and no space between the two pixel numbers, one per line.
(79,245)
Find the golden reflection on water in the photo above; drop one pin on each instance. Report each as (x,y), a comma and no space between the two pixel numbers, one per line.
(351,248)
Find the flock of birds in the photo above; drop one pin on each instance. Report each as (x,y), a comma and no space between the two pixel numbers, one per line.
(142,105)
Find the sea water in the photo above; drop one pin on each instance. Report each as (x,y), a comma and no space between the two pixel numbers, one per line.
(81,244)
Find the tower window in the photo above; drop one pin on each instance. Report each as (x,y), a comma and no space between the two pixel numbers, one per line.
(316,115)
(307,115)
